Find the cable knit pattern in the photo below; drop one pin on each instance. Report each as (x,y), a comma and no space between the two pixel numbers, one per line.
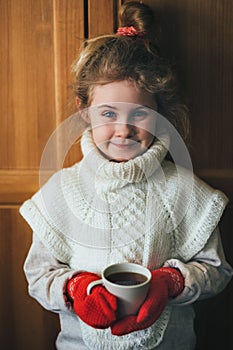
(145,210)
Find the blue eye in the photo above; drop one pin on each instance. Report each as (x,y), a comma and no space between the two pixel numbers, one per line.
(109,114)
(140,114)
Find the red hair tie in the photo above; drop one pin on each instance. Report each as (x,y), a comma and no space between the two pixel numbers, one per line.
(130,31)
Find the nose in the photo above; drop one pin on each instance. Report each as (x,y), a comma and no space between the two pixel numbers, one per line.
(124,130)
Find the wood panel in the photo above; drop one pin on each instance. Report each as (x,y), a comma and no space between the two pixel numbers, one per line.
(40,41)
(69,35)
(27,79)
(17,185)
(101,17)
(69,26)
(23,323)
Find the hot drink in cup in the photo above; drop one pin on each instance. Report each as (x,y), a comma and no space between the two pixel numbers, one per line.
(129,282)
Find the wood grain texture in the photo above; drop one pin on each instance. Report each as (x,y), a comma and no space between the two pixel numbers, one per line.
(27,79)
(23,323)
(68,36)
(101,17)
(17,185)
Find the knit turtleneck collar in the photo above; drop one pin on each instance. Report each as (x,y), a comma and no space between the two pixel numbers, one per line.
(131,171)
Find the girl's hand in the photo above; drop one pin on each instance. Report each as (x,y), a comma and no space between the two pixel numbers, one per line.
(166,282)
(97,309)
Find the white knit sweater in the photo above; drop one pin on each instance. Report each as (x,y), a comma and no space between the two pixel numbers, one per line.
(145,210)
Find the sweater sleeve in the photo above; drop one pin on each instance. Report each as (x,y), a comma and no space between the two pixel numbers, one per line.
(206,275)
(47,277)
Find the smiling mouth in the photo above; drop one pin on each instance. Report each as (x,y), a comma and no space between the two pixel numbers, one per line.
(124,144)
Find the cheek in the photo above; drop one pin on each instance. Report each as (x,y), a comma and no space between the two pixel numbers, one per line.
(101,134)
(147,138)
(147,128)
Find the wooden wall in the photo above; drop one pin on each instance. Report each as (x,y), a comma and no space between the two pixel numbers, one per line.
(39,41)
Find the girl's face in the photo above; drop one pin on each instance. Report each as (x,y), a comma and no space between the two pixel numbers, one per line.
(124,130)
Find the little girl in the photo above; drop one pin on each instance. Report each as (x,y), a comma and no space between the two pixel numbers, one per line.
(125,201)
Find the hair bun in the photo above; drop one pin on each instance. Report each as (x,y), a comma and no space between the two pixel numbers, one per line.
(136,14)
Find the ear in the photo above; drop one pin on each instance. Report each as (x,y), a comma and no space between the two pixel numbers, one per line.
(84,113)
(78,103)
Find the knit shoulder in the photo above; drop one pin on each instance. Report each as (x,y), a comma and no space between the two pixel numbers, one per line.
(197,206)
(44,213)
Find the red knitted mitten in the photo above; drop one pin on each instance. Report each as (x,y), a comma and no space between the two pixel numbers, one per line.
(97,309)
(166,282)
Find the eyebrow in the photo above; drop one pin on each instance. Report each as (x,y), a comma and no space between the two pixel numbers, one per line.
(106,106)
(113,107)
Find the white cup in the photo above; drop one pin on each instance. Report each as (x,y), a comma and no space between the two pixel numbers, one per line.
(129,282)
